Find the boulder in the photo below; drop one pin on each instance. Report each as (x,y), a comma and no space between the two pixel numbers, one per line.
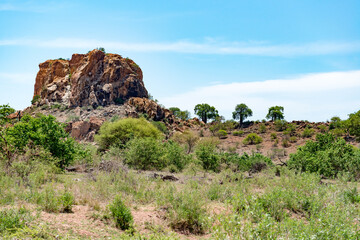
(95,78)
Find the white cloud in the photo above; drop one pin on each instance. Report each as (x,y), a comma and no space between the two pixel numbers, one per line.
(208,47)
(315,97)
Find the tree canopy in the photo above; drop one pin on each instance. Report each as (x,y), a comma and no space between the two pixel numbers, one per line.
(242,112)
(183,115)
(275,113)
(206,112)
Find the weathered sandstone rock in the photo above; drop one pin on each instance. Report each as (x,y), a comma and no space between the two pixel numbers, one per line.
(95,78)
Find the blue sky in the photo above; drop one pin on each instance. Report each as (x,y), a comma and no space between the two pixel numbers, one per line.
(303,55)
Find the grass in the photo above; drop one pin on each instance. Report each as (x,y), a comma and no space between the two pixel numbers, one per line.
(217,205)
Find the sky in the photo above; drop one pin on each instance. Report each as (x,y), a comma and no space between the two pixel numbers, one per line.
(300,54)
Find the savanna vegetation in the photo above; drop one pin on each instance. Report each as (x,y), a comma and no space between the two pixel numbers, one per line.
(141,181)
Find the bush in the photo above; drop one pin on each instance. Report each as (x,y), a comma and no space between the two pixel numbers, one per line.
(207,155)
(280,125)
(252,138)
(67,201)
(121,214)
(222,134)
(262,128)
(273,136)
(308,132)
(175,156)
(160,126)
(254,162)
(238,133)
(186,212)
(43,131)
(322,128)
(188,137)
(121,131)
(145,154)
(327,156)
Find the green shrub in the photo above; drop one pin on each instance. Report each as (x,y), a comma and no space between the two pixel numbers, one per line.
(273,136)
(290,129)
(43,131)
(175,156)
(207,155)
(254,162)
(322,128)
(145,154)
(285,143)
(222,134)
(352,195)
(67,201)
(35,99)
(121,214)
(11,219)
(280,125)
(187,213)
(308,132)
(262,128)
(238,133)
(160,126)
(327,156)
(252,138)
(121,131)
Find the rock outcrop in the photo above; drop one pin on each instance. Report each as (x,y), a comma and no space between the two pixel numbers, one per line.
(153,110)
(95,79)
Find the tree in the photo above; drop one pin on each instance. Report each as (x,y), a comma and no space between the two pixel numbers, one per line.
(5,110)
(275,113)
(183,115)
(353,124)
(242,112)
(205,112)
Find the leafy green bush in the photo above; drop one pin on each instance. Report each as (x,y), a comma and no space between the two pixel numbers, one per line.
(254,162)
(327,156)
(44,131)
(119,132)
(121,214)
(222,134)
(280,125)
(262,128)
(238,133)
(322,128)
(67,201)
(35,99)
(160,126)
(175,156)
(207,155)
(252,138)
(145,154)
(308,132)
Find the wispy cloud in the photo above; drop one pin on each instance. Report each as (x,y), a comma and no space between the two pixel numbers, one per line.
(206,47)
(314,97)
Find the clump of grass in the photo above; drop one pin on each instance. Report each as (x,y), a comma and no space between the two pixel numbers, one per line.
(13,219)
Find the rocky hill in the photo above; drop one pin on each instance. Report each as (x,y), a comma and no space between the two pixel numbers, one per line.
(95,79)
